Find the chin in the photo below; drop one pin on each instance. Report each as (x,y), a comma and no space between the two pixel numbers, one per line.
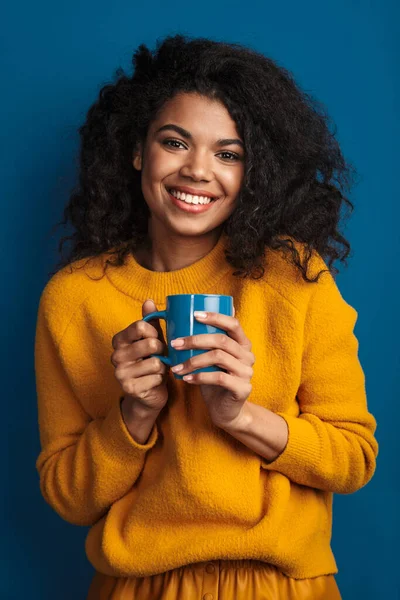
(191,231)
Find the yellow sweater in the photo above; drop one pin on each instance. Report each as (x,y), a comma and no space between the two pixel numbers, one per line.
(193,492)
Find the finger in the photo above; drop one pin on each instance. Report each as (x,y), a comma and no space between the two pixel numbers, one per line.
(217,358)
(216,340)
(148,307)
(229,324)
(149,366)
(238,387)
(139,388)
(135,331)
(133,352)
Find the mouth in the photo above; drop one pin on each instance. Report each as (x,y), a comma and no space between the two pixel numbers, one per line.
(191,203)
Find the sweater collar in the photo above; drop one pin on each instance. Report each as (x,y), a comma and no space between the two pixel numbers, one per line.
(198,278)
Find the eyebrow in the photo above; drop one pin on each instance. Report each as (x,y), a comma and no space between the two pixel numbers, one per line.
(188,135)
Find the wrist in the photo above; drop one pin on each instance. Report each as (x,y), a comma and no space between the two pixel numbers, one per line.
(139,420)
(133,407)
(241,423)
(261,430)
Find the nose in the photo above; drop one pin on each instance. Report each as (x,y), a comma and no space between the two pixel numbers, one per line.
(196,166)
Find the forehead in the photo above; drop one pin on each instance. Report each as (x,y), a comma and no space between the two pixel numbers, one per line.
(198,114)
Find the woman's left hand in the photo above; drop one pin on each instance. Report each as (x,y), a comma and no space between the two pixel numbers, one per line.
(224,393)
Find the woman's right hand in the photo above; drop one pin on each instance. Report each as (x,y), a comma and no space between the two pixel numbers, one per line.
(142,377)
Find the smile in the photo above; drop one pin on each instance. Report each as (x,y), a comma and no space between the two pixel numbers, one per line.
(190,198)
(190,203)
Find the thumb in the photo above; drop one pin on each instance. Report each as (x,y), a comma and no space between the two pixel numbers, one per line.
(148,307)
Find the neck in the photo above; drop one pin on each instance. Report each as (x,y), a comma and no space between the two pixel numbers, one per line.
(167,251)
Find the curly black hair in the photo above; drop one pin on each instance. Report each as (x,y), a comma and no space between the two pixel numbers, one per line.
(295,173)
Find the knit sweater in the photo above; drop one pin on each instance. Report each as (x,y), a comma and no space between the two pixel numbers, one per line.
(193,492)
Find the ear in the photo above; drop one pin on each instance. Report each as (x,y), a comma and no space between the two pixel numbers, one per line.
(137,158)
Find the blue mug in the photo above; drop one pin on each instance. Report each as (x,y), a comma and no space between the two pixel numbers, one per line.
(181,322)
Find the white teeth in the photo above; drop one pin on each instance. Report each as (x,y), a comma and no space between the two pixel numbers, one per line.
(189,198)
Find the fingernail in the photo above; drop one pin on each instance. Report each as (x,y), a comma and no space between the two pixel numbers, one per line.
(177,368)
(177,342)
(199,314)
(188,377)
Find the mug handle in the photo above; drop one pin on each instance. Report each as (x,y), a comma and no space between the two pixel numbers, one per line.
(161,314)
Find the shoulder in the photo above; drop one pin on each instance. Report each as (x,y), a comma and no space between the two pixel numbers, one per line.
(67,290)
(286,279)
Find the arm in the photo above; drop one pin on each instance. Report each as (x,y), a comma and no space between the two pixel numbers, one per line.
(85,464)
(330,444)
(138,419)
(261,430)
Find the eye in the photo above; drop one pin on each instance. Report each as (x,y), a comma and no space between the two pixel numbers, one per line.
(171,142)
(230,156)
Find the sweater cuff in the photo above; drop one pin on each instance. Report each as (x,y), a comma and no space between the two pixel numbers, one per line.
(302,449)
(118,442)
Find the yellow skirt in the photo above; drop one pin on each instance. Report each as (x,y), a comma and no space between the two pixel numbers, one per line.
(215,580)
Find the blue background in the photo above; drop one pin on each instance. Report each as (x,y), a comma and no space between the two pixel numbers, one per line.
(54,59)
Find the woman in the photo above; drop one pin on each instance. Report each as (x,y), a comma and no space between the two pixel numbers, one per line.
(207,171)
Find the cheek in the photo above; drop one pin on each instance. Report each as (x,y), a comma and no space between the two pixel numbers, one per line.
(159,165)
(233,181)
(152,170)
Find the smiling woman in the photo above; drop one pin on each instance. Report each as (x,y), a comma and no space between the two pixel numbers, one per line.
(199,158)
(207,172)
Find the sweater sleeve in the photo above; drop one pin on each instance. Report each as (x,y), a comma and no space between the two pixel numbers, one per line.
(85,464)
(331,444)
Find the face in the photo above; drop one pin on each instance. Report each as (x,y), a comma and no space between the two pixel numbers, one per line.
(192,151)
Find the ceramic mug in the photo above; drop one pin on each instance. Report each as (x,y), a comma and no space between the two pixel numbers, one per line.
(181,322)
